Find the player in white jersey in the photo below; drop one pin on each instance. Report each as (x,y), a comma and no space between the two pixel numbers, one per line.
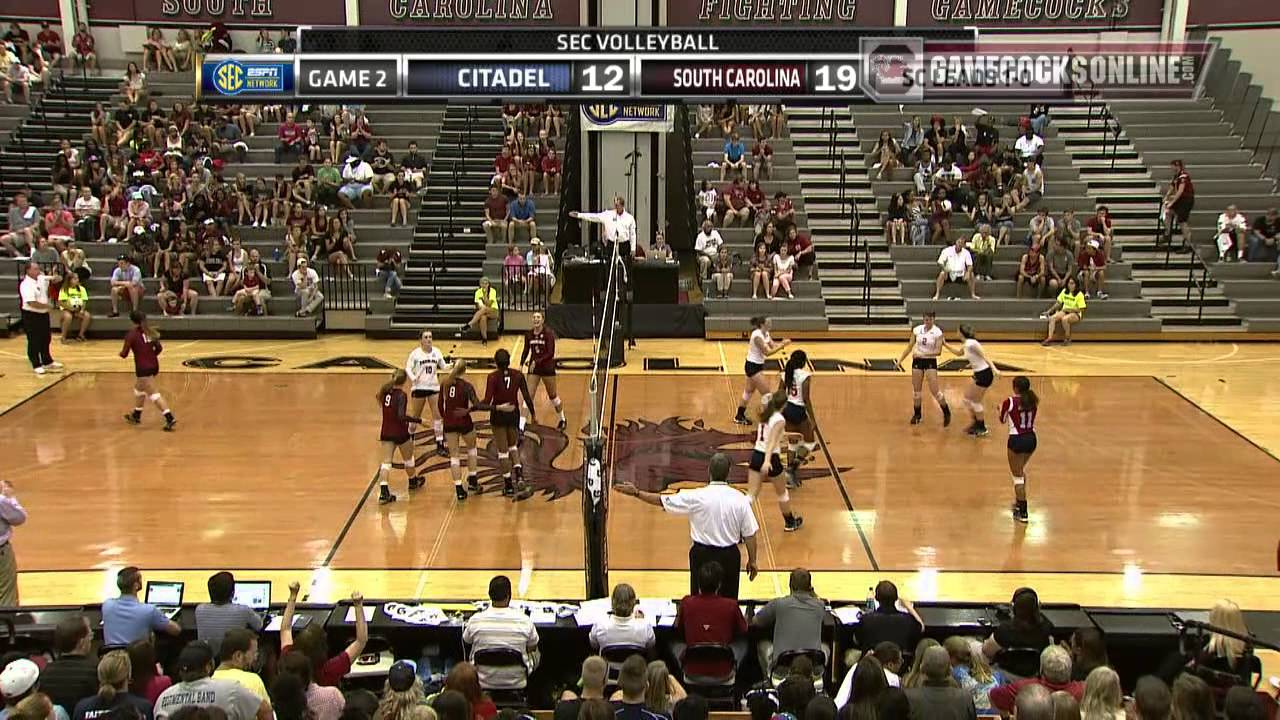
(925,345)
(984,373)
(424,366)
(759,347)
(768,449)
(798,413)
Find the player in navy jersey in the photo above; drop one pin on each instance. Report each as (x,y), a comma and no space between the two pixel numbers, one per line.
(539,359)
(395,435)
(456,401)
(144,342)
(502,394)
(1019,411)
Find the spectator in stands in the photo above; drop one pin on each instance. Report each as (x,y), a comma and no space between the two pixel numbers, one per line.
(72,675)
(1069,228)
(1042,226)
(551,171)
(1027,629)
(184,50)
(217,39)
(884,156)
(762,156)
(111,691)
(1029,146)
(1179,201)
(383,164)
(24,225)
(496,215)
(1262,238)
(797,621)
(1005,213)
(1150,699)
(328,181)
(784,270)
(523,216)
(595,671)
(125,619)
(939,216)
(314,643)
(709,617)
(1031,269)
(176,297)
(661,251)
(155,49)
(1055,674)
(625,625)
(1031,186)
(1092,262)
(1191,699)
(387,263)
(325,703)
(289,137)
(736,208)
(399,190)
(983,248)
(1088,651)
(465,680)
(146,680)
(895,226)
(707,245)
(126,283)
(1035,702)
(20,685)
(761,271)
(970,668)
(50,262)
(196,688)
(1242,703)
(414,167)
(912,136)
(1100,224)
(734,157)
(220,614)
(662,691)
(357,177)
(486,307)
(757,202)
(135,84)
(888,623)
(1102,699)
(84,48)
(1068,309)
(1220,653)
(956,265)
(87,210)
(782,213)
(73,300)
(939,696)
(306,287)
(721,268)
(514,270)
(769,238)
(1232,228)
(503,627)
(707,200)
(238,656)
(212,264)
(303,180)
(633,683)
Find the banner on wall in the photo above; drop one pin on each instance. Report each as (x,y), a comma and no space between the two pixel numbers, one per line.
(779,13)
(1013,14)
(232,12)
(470,13)
(601,117)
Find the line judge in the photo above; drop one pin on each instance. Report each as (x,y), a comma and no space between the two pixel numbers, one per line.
(35,318)
(720,518)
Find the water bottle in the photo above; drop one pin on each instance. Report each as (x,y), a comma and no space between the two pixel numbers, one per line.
(870,605)
(276,254)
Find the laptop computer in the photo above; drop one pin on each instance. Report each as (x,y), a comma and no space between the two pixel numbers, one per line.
(166,595)
(255,594)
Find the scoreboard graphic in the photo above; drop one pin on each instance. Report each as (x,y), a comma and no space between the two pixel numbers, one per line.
(662,65)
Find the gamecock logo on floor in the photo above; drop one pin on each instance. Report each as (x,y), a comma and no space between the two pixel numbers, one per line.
(654,456)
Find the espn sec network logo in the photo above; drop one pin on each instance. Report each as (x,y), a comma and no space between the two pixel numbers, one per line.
(232,77)
(890,67)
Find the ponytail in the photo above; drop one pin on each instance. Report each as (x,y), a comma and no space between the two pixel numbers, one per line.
(757,321)
(139,318)
(797,360)
(114,671)
(772,404)
(1026,396)
(397,379)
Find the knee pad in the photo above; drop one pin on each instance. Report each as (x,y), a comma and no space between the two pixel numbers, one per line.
(785,496)
(917,396)
(385,466)
(473,452)
(1019,481)
(139,394)
(503,456)
(975,405)
(522,423)
(154,397)
(455,463)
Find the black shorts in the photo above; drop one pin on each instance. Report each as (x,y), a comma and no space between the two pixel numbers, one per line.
(794,414)
(498,418)
(424,393)
(984,378)
(543,371)
(952,280)
(146,372)
(397,440)
(461,428)
(752,369)
(1182,208)
(1023,444)
(757,463)
(924,363)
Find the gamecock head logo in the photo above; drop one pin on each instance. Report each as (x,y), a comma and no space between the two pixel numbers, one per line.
(651,455)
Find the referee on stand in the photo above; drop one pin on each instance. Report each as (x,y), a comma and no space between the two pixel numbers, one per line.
(720,518)
(35,319)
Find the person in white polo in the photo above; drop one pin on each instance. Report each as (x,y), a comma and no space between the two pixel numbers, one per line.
(956,265)
(35,319)
(720,519)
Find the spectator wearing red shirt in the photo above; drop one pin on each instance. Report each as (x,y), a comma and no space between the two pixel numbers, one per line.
(59,224)
(551,172)
(762,153)
(495,215)
(801,248)
(290,135)
(251,297)
(1093,267)
(1055,675)
(502,163)
(1179,202)
(709,617)
(51,42)
(314,643)
(783,214)
(756,199)
(1101,225)
(735,204)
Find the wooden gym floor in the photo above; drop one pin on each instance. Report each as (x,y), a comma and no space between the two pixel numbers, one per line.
(1154,484)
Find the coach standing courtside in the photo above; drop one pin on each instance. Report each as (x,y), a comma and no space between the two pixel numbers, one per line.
(720,518)
(35,319)
(11,515)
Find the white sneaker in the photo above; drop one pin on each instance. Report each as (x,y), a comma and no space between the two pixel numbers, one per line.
(40,371)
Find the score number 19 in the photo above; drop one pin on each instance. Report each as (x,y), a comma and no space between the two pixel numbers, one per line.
(834,77)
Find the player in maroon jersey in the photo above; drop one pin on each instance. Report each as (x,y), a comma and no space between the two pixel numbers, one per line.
(539,359)
(502,394)
(395,435)
(456,401)
(1019,411)
(144,343)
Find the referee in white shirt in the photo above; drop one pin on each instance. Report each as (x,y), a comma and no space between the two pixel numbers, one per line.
(35,319)
(720,518)
(619,227)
